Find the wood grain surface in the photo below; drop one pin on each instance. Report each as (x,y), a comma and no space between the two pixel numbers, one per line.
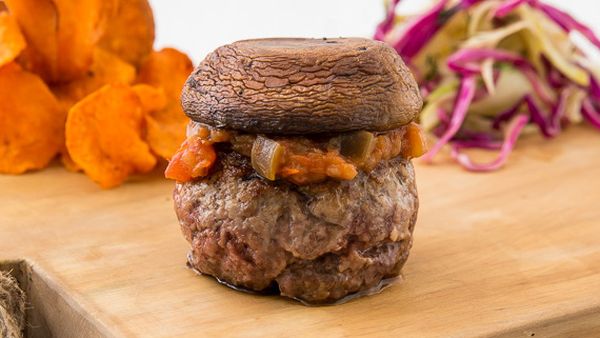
(505,254)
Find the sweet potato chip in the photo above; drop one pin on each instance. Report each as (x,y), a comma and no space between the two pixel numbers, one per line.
(67,161)
(104,135)
(166,130)
(12,41)
(31,121)
(38,20)
(107,68)
(61,34)
(80,26)
(152,98)
(167,69)
(130,34)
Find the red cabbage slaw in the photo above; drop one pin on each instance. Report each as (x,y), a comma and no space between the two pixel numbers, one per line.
(492,69)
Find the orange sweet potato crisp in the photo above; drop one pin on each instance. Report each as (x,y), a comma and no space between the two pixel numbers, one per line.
(167,69)
(104,136)
(38,21)
(61,34)
(80,26)
(130,34)
(152,98)
(81,59)
(106,68)
(30,121)
(11,39)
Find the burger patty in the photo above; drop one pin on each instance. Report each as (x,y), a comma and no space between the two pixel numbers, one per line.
(317,243)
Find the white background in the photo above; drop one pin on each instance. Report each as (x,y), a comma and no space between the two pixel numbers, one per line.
(199,26)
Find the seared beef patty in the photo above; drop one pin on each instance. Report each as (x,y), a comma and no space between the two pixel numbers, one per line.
(318,242)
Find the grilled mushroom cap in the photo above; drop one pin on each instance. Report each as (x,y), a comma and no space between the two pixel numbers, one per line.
(302,86)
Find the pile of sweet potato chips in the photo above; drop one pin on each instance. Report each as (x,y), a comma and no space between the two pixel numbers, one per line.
(80,80)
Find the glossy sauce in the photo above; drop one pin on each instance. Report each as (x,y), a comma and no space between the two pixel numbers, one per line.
(305,160)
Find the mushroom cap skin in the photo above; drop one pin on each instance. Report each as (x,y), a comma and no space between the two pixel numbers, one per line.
(302,86)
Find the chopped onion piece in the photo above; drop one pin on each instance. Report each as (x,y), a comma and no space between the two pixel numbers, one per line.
(266,157)
(357,145)
(414,144)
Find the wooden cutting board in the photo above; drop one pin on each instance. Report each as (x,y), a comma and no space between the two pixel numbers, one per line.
(512,253)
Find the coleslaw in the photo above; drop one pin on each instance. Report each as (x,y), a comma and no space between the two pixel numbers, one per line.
(491,70)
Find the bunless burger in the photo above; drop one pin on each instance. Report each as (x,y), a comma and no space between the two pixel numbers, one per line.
(296,173)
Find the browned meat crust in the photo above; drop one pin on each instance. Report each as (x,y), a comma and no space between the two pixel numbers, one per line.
(318,242)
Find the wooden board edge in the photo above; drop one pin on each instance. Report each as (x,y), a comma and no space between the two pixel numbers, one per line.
(585,323)
(51,311)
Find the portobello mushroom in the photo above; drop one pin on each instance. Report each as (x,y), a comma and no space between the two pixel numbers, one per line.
(302,86)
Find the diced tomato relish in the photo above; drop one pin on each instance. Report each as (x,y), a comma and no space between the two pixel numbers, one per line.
(312,167)
(304,161)
(194,159)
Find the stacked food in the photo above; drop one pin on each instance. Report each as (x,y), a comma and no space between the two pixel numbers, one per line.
(490,70)
(80,79)
(296,173)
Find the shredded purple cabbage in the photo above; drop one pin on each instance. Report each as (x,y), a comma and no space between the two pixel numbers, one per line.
(420,30)
(463,100)
(549,124)
(387,23)
(567,22)
(463,62)
(589,107)
(552,78)
(594,88)
(506,115)
(481,144)
(508,6)
(591,114)
(464,4)
(512,134)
